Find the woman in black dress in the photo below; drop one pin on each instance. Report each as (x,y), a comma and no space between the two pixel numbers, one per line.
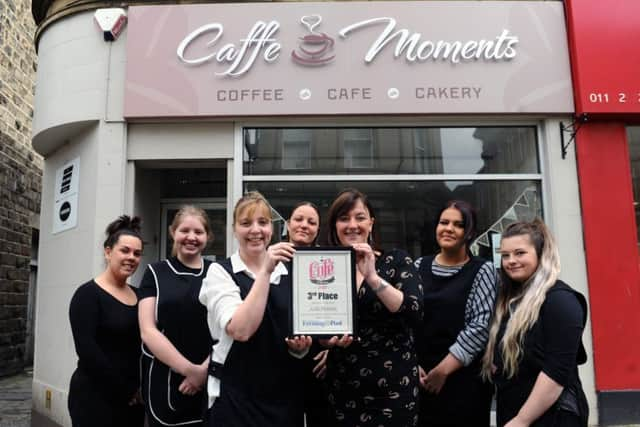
(535,344)
(302,228)
(254,372)
(459,299)
(104,389)
(374,381)
(173,325)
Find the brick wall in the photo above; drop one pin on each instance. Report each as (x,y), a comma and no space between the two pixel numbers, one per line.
(20,179)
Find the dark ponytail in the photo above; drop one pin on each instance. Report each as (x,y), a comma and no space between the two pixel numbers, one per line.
(123,226)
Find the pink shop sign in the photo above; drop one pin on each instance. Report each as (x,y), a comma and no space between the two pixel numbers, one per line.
(271,59)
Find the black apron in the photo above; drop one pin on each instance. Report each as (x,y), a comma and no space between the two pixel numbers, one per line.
(465,399)
(260,382)
(183,320)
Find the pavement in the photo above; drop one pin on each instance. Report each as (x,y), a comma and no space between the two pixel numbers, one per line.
(15,403)
(15,399)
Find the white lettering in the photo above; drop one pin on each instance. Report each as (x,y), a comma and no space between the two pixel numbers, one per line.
(259,41)
(194,34)
(413,48)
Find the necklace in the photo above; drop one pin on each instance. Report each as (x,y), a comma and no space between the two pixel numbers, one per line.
(444,264)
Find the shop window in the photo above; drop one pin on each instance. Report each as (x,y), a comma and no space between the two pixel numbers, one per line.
(406,210)
(633,138)
(391,150)
(296,149)
(358,148)
(494,168)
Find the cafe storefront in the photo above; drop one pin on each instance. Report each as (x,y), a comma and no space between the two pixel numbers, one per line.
(413,103)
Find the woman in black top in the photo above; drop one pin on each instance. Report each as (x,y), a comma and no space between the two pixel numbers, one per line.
(302,228)
(535,343)
(374,381)
(104,389)
(459,298)
(255,372)
(174,328)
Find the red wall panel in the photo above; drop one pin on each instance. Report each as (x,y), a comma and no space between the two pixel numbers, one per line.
(604,40)
(611,253)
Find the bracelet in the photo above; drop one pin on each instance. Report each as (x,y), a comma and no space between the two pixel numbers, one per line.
(381,285)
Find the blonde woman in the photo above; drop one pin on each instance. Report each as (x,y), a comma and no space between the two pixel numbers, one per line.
(254,373)
(535,343)
(173,325)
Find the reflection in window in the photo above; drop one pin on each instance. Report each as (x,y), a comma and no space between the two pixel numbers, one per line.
(633,136)
(296,149)
(405,210)
(425,150)
(358,148)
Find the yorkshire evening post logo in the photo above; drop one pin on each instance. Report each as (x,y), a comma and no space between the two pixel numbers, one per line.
(321,272)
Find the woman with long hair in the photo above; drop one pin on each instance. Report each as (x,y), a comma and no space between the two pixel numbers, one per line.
(254,372)
(104,388)
(459,298)
(173,325)
(374,381)
(535,342)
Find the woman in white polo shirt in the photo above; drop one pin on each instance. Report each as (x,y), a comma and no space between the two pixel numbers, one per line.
(254,378)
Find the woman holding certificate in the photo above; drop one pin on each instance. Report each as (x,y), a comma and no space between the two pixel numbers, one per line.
(374,381)
(254,372)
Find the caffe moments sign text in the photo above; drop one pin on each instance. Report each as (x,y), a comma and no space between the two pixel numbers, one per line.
(346,58)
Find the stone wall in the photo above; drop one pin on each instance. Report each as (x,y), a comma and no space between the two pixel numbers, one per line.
(20,180)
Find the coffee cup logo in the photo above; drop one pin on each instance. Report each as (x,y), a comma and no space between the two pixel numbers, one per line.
(315,48)
(321,272)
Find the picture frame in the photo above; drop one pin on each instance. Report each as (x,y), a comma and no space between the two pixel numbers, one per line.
(323,292)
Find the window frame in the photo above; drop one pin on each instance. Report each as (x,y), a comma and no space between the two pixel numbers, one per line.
(544,134)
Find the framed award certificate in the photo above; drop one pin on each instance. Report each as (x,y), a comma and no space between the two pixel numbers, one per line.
(323,292)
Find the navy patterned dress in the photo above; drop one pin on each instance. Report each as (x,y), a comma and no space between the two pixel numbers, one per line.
(374,381)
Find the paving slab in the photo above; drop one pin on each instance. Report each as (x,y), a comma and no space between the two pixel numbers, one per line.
(15,400)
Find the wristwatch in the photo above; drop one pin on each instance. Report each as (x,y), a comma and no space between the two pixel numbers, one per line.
(381,285)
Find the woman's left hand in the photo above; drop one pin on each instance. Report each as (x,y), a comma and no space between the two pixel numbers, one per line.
(320,369)
(298,344)
(365,260)
(194,380)
(280,252)
(435,379)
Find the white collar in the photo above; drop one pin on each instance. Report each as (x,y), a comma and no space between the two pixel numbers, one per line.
(186,273)
(237,265)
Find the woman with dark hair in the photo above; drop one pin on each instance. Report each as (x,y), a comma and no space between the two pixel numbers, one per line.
(104,389)
(173,325)
(459,298)
(302,228)
(535,343)
(303,224)
(374,381)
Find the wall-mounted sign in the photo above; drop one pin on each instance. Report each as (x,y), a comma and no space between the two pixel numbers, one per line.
(606,56)
(65,210)
(347,58)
